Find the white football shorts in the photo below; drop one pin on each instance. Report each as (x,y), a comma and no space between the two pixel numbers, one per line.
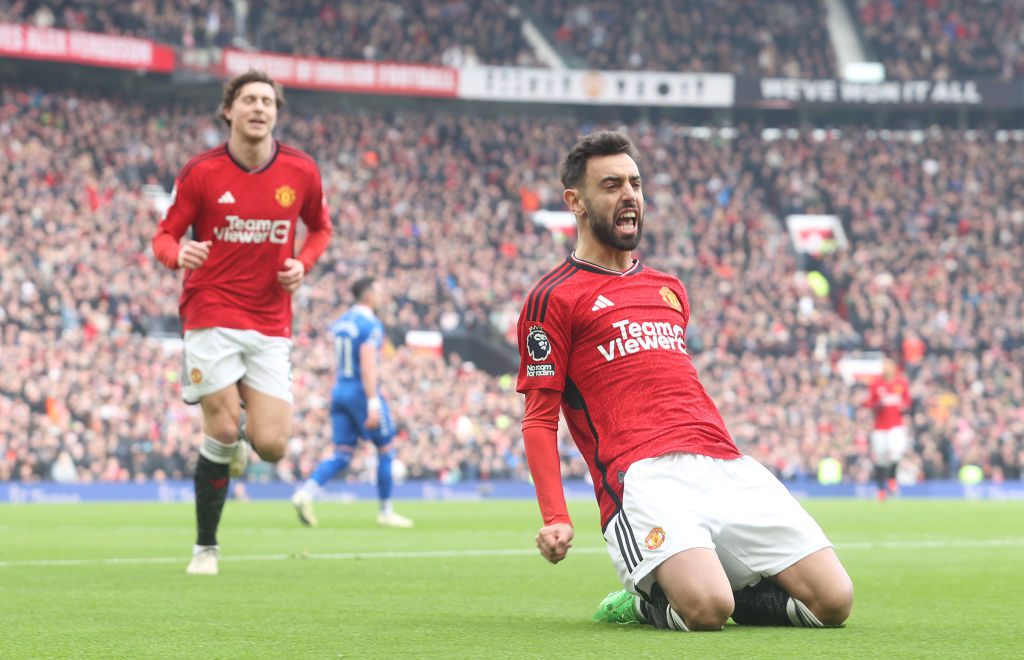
(218,357)
(888,446)
(737,508)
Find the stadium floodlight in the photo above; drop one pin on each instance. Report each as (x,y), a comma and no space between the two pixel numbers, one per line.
(864,72)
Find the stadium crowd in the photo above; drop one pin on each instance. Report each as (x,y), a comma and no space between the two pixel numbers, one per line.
(934,39)
(446,32)
(748,37)
(439,206)
(944,39)
(786,38)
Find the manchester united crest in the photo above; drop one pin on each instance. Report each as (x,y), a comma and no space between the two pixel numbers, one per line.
(196,376)
(655,538)
(670,298)
(285,196)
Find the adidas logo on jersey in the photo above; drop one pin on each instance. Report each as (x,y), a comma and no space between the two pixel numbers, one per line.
(601,303)
(226,198)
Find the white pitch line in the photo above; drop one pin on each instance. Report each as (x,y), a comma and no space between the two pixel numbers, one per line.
(938,543)
(419,554)
(446,554)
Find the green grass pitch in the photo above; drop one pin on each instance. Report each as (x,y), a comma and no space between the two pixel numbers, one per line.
(933,579)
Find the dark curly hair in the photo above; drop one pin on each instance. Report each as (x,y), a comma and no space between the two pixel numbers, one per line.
(604,143)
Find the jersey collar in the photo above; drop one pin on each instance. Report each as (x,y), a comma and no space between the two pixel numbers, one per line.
(594,268)
(262,168)
(364,310)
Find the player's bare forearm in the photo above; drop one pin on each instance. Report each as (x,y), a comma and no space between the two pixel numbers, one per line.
(368,360)
(373,407)
(554,541)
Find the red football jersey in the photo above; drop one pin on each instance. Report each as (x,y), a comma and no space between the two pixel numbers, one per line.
(614,345)
(888,399)
(251,216)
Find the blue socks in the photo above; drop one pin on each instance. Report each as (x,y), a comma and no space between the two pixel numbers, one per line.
(384,479)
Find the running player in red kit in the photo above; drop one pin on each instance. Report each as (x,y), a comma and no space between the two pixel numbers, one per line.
(696,531)
(888,398)
(243,201)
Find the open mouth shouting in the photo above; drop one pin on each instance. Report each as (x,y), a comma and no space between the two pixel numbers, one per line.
(628,220)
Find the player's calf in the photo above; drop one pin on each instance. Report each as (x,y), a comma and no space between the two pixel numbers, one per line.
(768,604)
(695,614)
(706,616)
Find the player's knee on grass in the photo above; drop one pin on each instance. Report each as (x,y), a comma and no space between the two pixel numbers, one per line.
(701,609)
(833,604)
(695,584)
(706,613)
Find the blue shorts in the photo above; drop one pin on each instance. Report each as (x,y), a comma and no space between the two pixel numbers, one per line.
(348,417)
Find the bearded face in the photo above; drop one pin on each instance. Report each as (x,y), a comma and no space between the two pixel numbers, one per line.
(620,227)
(612,202)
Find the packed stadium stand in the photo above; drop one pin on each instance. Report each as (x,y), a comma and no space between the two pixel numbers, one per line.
(438,200)
(484,31)
(693,36)
(758,38)
(933,39)
(944,39)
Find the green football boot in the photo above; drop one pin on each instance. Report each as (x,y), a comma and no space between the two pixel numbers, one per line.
(617,607)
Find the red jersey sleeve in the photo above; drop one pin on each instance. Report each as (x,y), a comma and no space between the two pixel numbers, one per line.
(317,219)
(540,439)
(181,213)
(544,341)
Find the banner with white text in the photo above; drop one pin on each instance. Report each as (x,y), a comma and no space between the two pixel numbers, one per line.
(622,88)
(88,48)
(792,92)
(346,75)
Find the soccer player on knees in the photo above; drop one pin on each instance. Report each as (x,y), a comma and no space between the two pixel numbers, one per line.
(242,201)
(888,398)
(357,408)
(697,532)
